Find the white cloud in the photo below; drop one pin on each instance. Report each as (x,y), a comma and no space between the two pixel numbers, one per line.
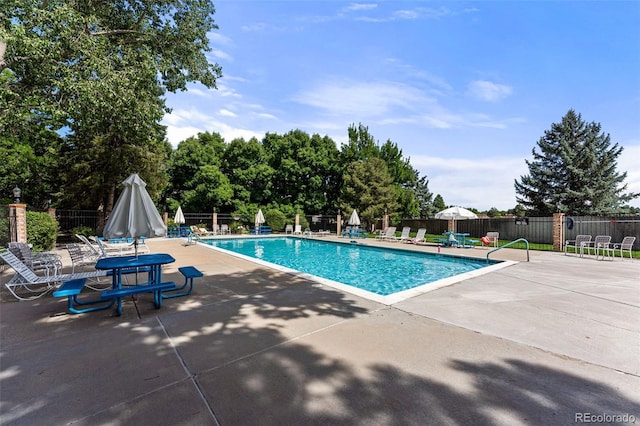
(482,183)
(361,6)
(221,54)
(488,91)
(362,99)
(628,162)
(226,113)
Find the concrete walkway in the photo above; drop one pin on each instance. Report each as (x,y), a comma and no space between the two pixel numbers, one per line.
(549,342)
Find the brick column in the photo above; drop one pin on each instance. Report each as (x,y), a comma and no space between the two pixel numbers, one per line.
(18,223)
(558,232)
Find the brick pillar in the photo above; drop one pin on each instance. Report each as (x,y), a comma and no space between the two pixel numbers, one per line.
(297,222)
(165,218)
(339,225)
(18,223)
(215,221)
(51,212)
(558,232)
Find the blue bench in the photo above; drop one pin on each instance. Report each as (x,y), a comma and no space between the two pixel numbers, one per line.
(71,289)
(119,293)
(189,273)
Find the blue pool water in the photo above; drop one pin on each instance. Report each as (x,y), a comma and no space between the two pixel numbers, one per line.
(377,270)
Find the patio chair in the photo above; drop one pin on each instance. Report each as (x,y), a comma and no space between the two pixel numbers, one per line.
(404,237)
(288,229)
(490,239)
(419,238)
(625,246)
(298,230)
(49,262)
(89,247)
(579,243)
(26,285)
(79,257)
(600,243)
(389,234)
(224,229)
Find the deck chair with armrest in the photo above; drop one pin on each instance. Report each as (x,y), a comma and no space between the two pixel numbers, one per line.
(578,245)
(404,237)
(389,234)
(623,247)
(50,263)
(419,238)
(27,285)
(491,239)
(600,244)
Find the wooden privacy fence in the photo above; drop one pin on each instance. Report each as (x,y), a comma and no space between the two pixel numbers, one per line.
(538,229)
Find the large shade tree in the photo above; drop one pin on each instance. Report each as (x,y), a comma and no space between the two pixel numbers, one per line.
(573,171)
(96,72)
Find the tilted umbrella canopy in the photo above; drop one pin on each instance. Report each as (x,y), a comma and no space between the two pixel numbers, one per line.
(456,213)
(259,217)
(354,219)
(134,214)
(179,217)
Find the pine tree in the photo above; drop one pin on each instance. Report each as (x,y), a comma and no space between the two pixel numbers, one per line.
(574,171)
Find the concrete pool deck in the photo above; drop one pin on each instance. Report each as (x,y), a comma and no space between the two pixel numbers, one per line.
(549,341)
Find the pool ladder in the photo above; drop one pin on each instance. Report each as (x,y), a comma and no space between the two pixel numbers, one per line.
(510,244)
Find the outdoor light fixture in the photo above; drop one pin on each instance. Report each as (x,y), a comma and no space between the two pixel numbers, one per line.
(17,193)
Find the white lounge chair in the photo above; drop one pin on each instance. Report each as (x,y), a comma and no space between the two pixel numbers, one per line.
(26,285)
(404,237)
(288,229)
(298,230)
(419,238)
(389,234)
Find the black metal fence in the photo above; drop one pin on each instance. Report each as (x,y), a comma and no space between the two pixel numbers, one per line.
(69,219)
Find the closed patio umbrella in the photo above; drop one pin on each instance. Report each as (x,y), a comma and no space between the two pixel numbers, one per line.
(179,217)
(134,214)
(354,219)
(259,219)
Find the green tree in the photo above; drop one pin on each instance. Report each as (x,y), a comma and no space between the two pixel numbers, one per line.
(424,198)
(574,171)
(438,204)
(98,71)
(245,165)
(369,189)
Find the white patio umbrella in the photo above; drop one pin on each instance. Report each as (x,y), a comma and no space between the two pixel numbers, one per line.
(259,218)
(456,213)
(354,219)
(134,214)
(179,217)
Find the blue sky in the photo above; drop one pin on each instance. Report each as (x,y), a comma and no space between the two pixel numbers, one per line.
(465,89)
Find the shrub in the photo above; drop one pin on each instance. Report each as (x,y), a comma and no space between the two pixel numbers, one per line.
(275,219)
(42,231)
(83,230)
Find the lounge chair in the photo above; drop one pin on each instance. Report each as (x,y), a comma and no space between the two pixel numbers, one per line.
(224,229)
(298,230)
(79,257)
(389,234)
(288,229)
(26,285)
(48,262)
(419,238)
(404,237)
(579,243)
(624,247)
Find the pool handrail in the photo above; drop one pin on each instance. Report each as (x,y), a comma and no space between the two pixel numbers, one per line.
(509,244)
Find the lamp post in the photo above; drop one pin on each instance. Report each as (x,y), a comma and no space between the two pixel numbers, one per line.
(17,192)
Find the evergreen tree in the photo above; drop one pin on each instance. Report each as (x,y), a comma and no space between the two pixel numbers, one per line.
(574,171)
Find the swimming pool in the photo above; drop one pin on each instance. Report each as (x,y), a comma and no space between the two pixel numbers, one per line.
(379,271)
